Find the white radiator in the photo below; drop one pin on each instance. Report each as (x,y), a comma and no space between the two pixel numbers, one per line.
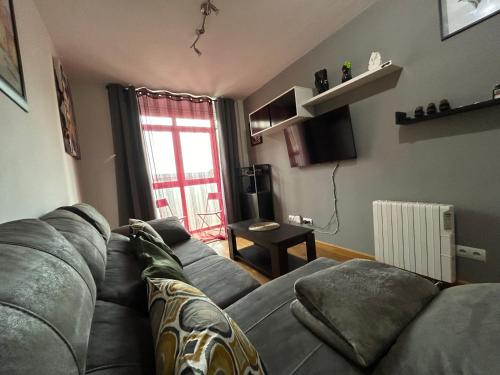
(418,237)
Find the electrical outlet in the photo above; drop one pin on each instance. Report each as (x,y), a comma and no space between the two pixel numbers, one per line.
(295,219)
(307,221)
(471,252)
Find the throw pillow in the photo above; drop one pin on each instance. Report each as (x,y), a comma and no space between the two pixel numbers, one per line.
(365,303)
(156,258)
(170,229)
(192,335)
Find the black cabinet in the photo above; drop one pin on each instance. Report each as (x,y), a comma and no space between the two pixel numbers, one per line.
(256,193)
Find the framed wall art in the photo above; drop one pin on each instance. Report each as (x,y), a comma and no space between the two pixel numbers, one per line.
(66,111)
(254,140)
(11,70)
(459,15)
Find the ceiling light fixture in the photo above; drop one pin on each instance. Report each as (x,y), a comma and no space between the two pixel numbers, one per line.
(207,8)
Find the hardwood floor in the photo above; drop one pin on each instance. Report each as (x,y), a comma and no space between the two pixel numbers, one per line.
(322,250)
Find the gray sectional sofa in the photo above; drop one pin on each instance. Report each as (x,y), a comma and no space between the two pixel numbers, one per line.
(72,302)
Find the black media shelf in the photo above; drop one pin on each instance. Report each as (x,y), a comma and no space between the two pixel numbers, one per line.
(402,119)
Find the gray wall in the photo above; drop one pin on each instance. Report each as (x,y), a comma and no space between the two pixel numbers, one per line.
(36,175)
(453,160)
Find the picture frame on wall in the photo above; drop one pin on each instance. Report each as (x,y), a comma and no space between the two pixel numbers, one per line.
(254,140)
(11,70)
(459,15)
(66,111)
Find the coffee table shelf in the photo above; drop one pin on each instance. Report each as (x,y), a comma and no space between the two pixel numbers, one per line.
(259,258)
(269,254)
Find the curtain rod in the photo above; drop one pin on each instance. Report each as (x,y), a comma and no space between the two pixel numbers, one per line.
(175,93)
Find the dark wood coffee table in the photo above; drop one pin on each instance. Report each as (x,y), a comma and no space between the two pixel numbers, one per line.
(269,253)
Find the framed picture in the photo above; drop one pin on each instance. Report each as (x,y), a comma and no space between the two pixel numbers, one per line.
(254,141)
(66,112)
(459,15)
(11,71)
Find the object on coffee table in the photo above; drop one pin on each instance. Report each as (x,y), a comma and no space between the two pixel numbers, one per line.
(431,109)
(263,226)
(419,111)
(444,105)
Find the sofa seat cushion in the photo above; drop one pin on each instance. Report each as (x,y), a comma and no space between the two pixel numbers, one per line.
(284,344)
(123,283)
(191,251)
(458,333)
(120,341)
(221,279)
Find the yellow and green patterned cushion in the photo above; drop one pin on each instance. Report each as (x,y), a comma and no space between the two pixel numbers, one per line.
(194,336)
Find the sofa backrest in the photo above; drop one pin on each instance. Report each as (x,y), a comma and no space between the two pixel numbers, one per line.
(84,237)
(47,300)
(94,217)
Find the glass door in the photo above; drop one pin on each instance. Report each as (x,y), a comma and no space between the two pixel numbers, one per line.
(183,157)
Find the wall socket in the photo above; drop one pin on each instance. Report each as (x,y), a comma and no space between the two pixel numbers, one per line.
(307,221)
(471,252)
(295,219)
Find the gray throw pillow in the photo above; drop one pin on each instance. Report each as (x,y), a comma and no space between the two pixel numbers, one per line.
(365,303)
(170,229)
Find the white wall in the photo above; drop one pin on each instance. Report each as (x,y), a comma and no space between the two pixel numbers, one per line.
(36,175)
(97,167)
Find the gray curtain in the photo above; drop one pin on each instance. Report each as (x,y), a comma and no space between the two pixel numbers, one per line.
(229,156)
(134,192)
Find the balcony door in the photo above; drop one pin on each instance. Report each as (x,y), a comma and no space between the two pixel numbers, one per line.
(181,148)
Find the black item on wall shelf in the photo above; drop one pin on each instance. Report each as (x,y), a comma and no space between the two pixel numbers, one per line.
(403,119)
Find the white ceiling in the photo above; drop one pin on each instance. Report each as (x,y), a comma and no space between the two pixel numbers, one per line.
(146,43)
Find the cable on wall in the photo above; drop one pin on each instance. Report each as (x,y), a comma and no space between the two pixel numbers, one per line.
(335,216)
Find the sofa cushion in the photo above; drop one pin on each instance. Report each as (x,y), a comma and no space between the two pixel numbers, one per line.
(193,336)
(120,341)
(84,237)
(170,229)
(46,301)
(458,333)
(191,251)
(285,345)
(123,283)
(350,297)
(221,279)
(95,217)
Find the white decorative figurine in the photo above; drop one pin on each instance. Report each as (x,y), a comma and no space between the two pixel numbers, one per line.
(375,61)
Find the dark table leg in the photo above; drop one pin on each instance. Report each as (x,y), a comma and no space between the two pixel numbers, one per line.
(231,239)
(311,247)
(279,261)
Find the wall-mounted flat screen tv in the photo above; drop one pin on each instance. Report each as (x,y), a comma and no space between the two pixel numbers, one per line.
(322,139)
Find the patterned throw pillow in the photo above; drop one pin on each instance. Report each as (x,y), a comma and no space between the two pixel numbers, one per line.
(193,336)
(137,225)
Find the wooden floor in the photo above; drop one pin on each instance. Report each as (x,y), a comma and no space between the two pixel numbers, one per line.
(322,250)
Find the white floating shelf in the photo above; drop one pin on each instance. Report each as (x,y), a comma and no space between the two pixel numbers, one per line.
(352,89)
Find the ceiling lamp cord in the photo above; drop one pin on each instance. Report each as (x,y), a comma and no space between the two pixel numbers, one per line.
(206,9)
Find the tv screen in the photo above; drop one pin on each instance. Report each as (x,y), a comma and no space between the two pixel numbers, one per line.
(322,139)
